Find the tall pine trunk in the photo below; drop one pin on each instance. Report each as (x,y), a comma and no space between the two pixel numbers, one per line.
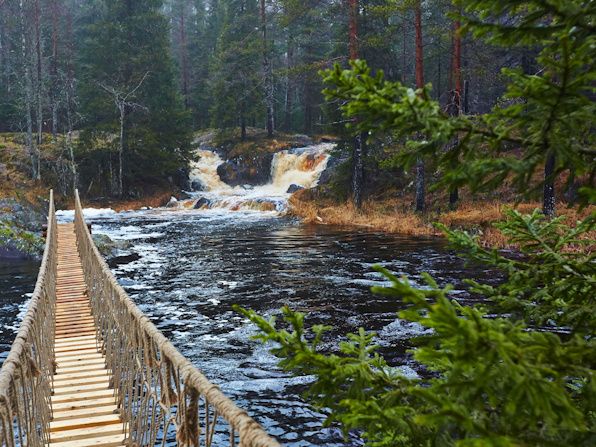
(420,185)
(358,147)
(184,71)
(55,95)
(289,100)
(267,74)
(455,106)
(39,83)
(548,199)
(31,147)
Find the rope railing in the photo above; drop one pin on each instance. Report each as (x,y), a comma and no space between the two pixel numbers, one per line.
(26,374)
(162,398)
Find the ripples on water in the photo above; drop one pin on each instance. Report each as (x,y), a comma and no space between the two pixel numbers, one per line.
(185,269)
(17,280)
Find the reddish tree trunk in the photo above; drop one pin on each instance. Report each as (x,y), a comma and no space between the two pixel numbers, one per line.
(456,96)
(353,29)
(419,48)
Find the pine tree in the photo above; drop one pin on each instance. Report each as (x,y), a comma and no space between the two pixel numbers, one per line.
(129,89)
(235,74)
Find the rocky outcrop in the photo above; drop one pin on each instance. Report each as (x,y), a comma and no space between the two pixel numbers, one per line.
(246,170)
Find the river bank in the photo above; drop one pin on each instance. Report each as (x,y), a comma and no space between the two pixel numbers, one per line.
(395,216)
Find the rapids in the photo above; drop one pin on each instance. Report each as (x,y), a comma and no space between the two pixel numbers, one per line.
(301,167)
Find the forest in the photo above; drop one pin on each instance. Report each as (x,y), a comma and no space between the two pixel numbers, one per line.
(468,119)
(116,89)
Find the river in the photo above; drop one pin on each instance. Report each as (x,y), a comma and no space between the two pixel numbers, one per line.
(185,269)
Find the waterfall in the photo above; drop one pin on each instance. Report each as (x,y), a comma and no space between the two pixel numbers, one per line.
(301,167)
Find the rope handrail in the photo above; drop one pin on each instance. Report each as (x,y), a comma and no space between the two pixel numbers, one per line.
(25,377)
(161,395)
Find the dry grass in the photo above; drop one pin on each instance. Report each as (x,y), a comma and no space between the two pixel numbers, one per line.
(395,216)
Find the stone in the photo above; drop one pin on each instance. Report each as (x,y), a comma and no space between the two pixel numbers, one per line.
(172,203)
(202,203)
(293,188)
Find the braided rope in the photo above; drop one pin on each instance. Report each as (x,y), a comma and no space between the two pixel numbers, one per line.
(162,397)
(25,377)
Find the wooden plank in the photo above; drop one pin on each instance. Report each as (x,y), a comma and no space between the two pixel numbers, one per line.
(81,388)
(58,407)
(83,375)
(82,422)
(81,363)
(90,432)
(85,412)
(105,441)
(87,395)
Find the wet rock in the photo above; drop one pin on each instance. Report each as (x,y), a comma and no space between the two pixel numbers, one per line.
(107,246)
(202,203)
(195,185)
(172,203)
(333,164)
(246,170)
(182,179)
(124,259)
(20,229)
(293,188)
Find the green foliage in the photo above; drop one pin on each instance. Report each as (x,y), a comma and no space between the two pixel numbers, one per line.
(526,376)
(495,381)
(548,113)
(125,48)
(551,278)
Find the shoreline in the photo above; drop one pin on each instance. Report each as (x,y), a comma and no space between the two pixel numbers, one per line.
(394,216)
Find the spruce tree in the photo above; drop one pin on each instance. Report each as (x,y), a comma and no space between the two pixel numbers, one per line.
(128,89)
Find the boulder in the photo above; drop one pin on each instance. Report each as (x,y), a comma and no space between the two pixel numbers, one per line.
(246,170)
(195,185)
(202,203)
(172,203)
(333,165)
(293,188)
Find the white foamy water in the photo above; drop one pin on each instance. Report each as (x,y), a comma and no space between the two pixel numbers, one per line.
(302,167)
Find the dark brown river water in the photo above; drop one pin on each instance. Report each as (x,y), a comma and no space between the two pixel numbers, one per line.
(185,269)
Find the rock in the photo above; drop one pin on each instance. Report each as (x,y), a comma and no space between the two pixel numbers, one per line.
(202,203)
(251,170)
(172,203)
(293,188)
(107,246)
(333,164)
(302,140)
(195,185)
(182,179)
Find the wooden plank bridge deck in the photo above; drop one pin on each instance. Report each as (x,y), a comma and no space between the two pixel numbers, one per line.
(83,403)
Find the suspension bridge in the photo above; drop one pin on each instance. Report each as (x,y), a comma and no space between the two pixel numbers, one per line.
(88,368)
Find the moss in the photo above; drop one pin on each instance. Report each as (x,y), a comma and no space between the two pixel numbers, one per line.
(11,235)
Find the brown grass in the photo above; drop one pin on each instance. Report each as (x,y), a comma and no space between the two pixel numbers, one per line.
(395,216)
